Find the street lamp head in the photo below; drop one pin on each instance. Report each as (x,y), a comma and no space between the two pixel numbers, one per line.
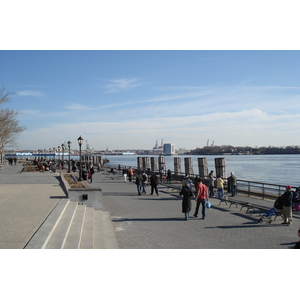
(80,140)
(69,144)
(63,145)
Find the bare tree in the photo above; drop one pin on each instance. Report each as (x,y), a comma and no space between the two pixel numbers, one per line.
(9,125)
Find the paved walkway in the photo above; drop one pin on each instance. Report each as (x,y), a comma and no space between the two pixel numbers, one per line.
(141,222)
(156,222)
(26,199)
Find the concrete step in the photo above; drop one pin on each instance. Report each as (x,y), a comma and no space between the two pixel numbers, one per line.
(73,226)
(87,235)
(73,235)
(58,236)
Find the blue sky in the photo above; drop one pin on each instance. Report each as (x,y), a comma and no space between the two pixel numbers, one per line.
(130,99)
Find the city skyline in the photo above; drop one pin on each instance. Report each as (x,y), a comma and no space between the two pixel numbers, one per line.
(129,99)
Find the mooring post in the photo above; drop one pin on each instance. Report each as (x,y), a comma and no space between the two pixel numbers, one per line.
(220,167)
(153,161)
(202,166)
(177,165)
(188,165)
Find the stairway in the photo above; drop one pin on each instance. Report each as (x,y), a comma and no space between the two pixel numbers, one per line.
(74,226)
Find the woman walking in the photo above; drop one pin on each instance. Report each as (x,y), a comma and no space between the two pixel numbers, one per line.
(186,194)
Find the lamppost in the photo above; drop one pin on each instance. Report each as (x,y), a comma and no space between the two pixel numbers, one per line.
(58,150)
(69,146)
(80,140)
(62,154)
(54,151)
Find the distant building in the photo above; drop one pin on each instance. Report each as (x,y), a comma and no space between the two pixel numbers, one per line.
(169,149)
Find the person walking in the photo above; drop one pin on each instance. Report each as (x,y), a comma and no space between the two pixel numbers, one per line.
(211,185)
(153,183)
(287,199)
(144,182)
(139,182)
(130,174)
(186,194)
(169,176)
(125,173)
(232,183)
(220,187)
(91,172)
(201,198)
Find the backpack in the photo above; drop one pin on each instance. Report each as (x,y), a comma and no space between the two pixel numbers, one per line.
(278,203)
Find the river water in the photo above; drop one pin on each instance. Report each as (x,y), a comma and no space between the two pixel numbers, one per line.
(274,169)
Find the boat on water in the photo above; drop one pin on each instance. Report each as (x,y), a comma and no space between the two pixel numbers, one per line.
(126,153)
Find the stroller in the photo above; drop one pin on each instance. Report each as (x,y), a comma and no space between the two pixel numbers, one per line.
(274,212)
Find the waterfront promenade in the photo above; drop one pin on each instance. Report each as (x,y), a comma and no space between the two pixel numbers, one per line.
(140,222)
(156,222)
(26,199)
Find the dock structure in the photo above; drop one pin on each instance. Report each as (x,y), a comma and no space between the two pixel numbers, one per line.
(48,219)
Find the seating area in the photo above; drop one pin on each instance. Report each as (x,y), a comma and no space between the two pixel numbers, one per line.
(261,209)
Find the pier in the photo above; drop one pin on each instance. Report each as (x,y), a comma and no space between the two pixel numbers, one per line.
(34,205)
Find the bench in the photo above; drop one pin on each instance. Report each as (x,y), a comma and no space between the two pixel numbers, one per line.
(255,207)
(173,187)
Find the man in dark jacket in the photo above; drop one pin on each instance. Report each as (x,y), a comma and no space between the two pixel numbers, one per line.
(186,194)
(139,182)
(287,199)
(153,183)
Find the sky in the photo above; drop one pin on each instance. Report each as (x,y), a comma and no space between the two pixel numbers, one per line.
(130,99)
(129,84)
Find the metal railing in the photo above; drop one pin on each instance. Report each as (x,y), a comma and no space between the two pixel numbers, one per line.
(250,188)
(260,189)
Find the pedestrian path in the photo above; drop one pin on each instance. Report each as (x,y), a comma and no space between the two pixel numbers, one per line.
(35,213)
(156,222)
(26,200)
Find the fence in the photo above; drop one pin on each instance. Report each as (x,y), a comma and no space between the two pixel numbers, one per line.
(249,188)
(260,189)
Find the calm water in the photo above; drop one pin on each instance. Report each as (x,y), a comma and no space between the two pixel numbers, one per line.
(277,169)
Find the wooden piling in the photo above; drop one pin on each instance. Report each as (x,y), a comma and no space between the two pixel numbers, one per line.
(220,166)
(177,165)
(202,167)
(188,166)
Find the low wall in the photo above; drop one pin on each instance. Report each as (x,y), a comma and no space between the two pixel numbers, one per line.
(88,196)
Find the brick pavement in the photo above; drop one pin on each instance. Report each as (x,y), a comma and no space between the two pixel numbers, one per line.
(156,222)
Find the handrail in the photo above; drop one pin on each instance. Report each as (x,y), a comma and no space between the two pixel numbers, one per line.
(254,188)
(266,190)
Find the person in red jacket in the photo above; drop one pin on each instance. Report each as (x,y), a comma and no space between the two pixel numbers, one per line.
(201,198)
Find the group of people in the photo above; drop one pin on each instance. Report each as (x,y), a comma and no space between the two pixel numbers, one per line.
(201,197)
(142,180)
(12,161)
(127,172)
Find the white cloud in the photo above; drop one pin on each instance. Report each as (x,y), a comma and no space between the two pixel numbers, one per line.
(30,93)
(121,84)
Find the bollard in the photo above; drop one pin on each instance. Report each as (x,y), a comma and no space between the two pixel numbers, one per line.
(177,165)
(202,167)
(220,167)
(188,166)
(154,166)
(139,163)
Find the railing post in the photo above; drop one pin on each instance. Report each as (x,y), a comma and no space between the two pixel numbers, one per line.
(263,190)
(248,188)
